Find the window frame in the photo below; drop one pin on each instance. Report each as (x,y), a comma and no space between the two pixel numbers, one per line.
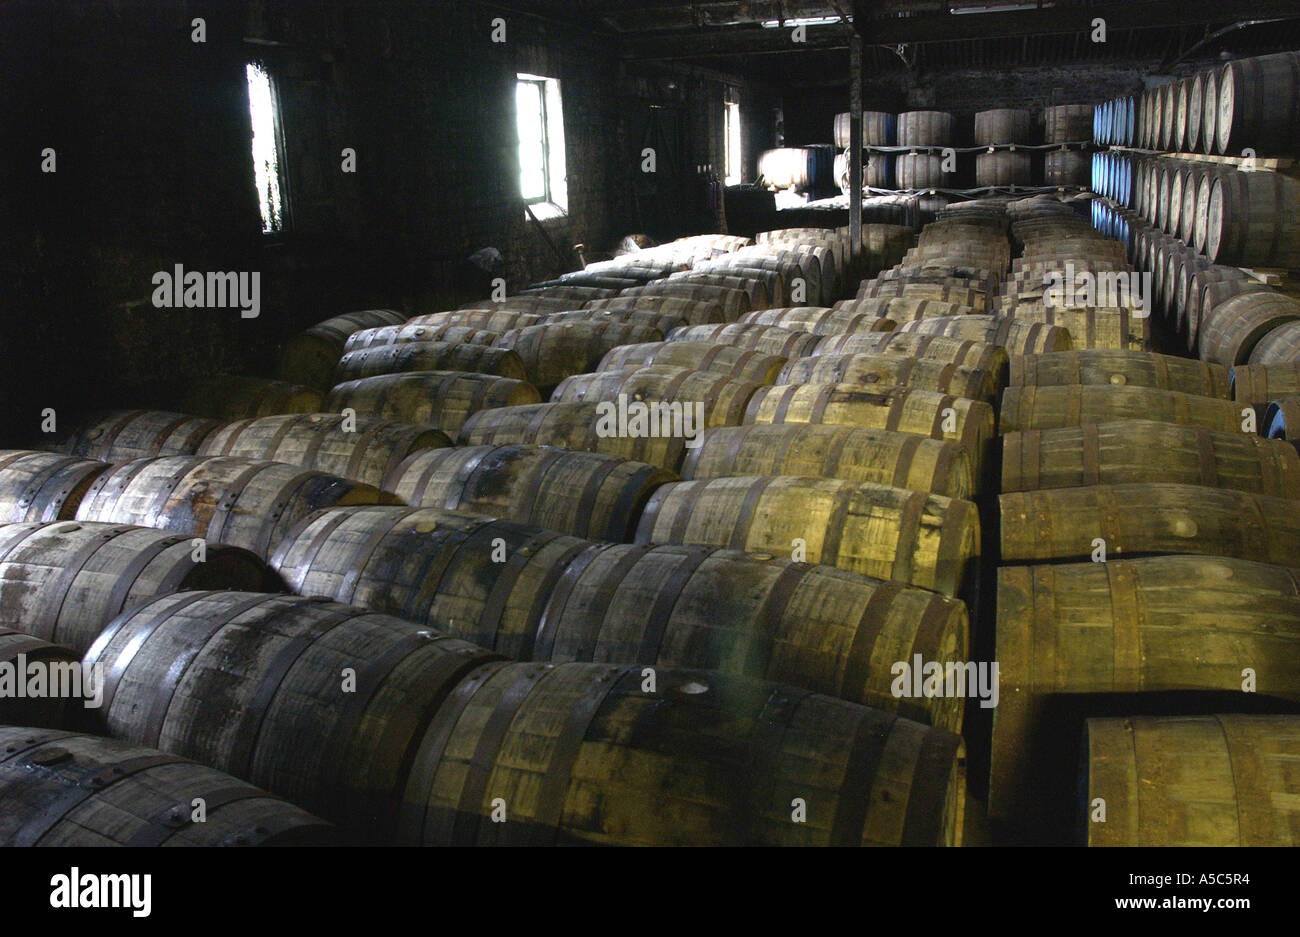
(540,85)
(555,202)
(733,148)
(277,142)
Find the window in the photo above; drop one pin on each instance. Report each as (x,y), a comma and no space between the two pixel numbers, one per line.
(735,164)
(540,118)
(267,148)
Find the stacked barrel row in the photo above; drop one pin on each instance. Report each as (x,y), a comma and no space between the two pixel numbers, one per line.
(1070,275)
(1004,131)
(1144,606)
(1224,110)
(431,690)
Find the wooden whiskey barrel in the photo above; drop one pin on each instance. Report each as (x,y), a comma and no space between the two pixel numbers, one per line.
(43,486)
(918,171)
(742,364)
(1003,168)
(681,400)
(663,323)
(884,370)
(894,309)
(1002,125)
(287,723)
(1259,383)
(68,789)
(819,320)
(1256,106)
(399,358)
(1108,328)
(901,409)
(122,435)
(1215,288)
(1278,346)
(398,334)
(1077,405)
(308,358)
(1067,123)
(1238,324)
(237,397)
(553,352)
(1254,220)
(1121,368)
(64,581)
(1282,418)
(925,128)
(570,426)
(1015,335)
(1073,633)
(874,530)
(853,453)
(358,449)
(969,297)
(249,503)
(752,286)
(524,735)
(495,319)
(985,357)
(693,312)
(581,493)
(768,339)
(735,303)
(1231,780)
(441,399)
(1148,517)
(1147,451)
(62,695)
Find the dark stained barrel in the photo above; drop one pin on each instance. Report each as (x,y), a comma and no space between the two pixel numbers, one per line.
(123,435)
(66,789)
(580,493)
(308,358)
(440,399)
(64,581)
(317,702)
(43,486)
(248,503)
(585,753)
(356,448)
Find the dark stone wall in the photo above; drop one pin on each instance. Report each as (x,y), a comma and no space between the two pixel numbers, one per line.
(153,136)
